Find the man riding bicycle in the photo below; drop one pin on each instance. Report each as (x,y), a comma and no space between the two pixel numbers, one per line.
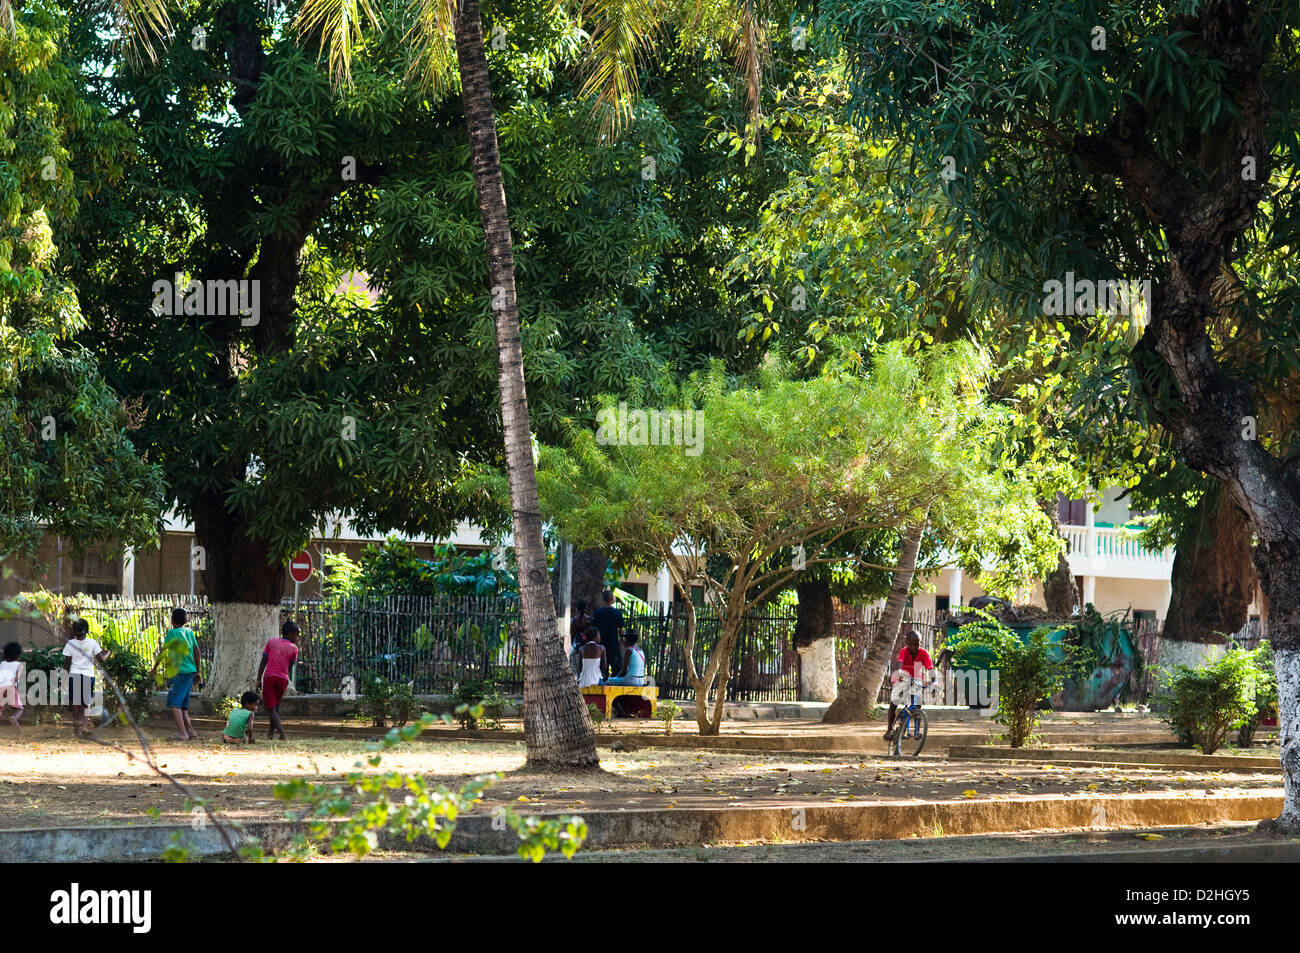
(913,662)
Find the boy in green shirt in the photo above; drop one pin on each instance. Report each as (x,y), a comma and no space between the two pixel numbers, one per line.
(187,672)
(239,728)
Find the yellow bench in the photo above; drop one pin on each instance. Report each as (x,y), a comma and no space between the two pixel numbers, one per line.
(603,695)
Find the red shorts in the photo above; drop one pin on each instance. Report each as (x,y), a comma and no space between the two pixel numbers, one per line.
(273,689)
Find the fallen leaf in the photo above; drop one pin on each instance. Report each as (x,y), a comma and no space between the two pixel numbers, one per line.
(1151,836)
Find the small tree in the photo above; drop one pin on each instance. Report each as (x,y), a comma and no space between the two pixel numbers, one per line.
(1203,704)
(1029,671)
(778,476)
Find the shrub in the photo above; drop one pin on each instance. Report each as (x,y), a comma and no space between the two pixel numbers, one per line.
(376,693)
(1029,671)
(668,712)
(478,698)
(1265,693)
(132,675)
(1202,704)
(223,708)
(403,706)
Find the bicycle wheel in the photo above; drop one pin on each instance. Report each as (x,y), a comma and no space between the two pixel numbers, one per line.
(894,743)
(920,727)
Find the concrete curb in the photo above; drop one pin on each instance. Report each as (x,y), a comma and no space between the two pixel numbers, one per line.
(689,827)
(1190,762)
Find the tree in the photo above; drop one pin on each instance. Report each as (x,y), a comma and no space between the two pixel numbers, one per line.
(785,470)
(1147,145)
(69,464)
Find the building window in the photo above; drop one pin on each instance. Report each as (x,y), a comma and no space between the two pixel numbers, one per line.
(639,589)
(940,603)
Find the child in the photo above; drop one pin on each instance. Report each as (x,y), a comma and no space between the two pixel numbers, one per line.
(80,653)
(187,673)
(239,729)
(273,673)
(11,680)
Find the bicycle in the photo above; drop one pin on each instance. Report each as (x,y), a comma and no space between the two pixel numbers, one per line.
(910,724)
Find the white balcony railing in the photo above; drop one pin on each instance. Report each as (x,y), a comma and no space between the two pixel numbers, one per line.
(1107,551)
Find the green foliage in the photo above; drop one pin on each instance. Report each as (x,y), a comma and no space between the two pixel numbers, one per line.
(1265,693)
(393,569)
(69,466)
(668,712)
(598,717)
(133,678)
(385,699)
(1202,704)
(1029,670)
(479,700)
(350,817)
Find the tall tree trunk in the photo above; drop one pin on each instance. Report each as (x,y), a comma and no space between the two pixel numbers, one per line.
(244,587)
(814,640)
(557,729)
(588,577)
(1213,580)
(1059,591)
(857,698)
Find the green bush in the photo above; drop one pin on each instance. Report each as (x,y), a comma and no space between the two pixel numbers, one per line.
(384,699)
(131,674)
(376,693)
(1203,704)
(1265,693)
(1029,671)
(479,698)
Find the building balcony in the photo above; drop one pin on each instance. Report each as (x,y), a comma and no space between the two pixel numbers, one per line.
(1110,551)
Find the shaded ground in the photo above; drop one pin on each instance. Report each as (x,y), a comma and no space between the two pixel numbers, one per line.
(56,781)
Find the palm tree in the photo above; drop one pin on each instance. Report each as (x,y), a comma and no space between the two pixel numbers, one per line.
(557,728)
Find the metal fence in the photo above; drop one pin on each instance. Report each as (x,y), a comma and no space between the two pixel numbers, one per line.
(855,627)
(764,665)
(436,642)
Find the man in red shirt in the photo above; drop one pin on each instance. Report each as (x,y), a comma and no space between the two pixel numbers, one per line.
(913,661)
(273,673)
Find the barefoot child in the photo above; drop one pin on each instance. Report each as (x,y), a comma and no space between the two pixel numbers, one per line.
(273,673)
(11,680)
(80,654)
(239,729)
(187,672)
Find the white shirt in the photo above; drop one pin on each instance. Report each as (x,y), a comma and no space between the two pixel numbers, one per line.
(9,673)
(83,652)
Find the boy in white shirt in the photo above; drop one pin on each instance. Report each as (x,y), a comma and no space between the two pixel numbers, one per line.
(80,653)
(11,680)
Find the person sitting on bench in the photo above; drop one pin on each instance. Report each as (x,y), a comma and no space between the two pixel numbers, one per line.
(633,663)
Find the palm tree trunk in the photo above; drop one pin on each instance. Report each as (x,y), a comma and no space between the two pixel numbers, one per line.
(857,697)
(557,729)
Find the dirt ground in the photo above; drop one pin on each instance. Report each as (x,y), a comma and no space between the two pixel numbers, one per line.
(48,779)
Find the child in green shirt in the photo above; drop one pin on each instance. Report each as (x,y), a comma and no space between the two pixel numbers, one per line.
(240,726)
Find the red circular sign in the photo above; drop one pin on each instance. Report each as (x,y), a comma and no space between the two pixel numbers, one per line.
(300,567)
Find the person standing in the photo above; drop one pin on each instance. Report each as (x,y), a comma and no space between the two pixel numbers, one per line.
(12,682)
(609,620)
(273,674)
(185,654)
(80,654)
